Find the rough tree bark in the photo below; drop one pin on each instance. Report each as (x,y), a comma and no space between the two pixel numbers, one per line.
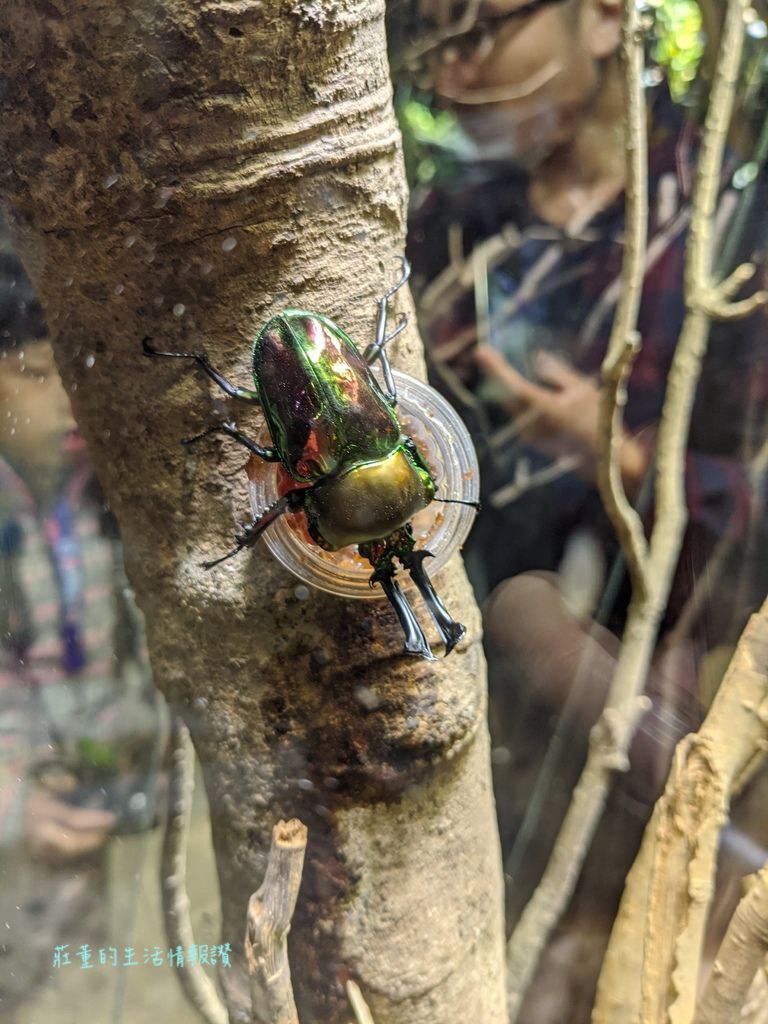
(184,170)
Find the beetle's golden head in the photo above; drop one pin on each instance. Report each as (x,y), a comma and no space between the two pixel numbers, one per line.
(369,501)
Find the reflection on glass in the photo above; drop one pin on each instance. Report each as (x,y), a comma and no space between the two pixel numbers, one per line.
(79,726)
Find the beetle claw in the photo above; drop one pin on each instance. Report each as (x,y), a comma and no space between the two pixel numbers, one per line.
(449,629)
(415,641)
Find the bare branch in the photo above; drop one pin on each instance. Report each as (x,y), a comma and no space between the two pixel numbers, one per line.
(652,570)
(738,277)
(270,910)
(626,521)
(718,309)
(625,342)
(196,984)
(741,955)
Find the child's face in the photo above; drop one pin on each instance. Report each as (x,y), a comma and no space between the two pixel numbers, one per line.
(37,432)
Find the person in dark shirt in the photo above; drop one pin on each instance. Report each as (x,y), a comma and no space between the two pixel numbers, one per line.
(517,264)
(543,235)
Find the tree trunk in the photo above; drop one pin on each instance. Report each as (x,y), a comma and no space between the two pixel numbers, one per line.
(185,170)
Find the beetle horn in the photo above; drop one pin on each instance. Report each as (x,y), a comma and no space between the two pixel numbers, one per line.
(450,630)
(415,641)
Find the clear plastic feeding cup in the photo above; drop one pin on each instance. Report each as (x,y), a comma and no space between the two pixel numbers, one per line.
(444,442)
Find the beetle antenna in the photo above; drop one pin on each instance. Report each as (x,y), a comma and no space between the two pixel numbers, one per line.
(460,501)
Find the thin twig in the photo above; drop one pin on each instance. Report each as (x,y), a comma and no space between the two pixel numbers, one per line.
(359,1006)
(195,983)
(270,910)
(741,955)
(525,481)
(607,748)
(624,343)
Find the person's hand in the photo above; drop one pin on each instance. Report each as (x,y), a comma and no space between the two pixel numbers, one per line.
(60,833)
(560,415)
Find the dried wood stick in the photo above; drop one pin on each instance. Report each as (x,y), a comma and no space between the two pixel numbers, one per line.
(689,818)
(755,1010)
(195,983)
(741,955)
(359,1006)
(270,910)
(664,907)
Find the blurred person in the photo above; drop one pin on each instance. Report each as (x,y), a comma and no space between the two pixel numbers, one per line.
(536,88)
(78,721)
(517,261)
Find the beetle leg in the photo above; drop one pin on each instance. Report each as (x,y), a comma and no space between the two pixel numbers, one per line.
(450,630)
(268,454)
(233,390)
(376,349)
(254,530)
(415,641)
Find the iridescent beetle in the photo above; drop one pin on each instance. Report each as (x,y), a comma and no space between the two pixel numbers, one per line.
(333,429)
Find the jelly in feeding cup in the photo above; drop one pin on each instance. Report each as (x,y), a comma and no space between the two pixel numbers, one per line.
(443,440)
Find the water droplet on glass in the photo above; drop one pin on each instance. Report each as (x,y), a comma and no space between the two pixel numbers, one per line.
(745,175)
(110,180)
(119,289)
(90,360)
(137,801)
(301,593)
(130,241)
(320,657)
(229,244)
(179,309)
(205,267)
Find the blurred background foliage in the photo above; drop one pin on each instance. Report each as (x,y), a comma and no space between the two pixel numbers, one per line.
(677,41)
